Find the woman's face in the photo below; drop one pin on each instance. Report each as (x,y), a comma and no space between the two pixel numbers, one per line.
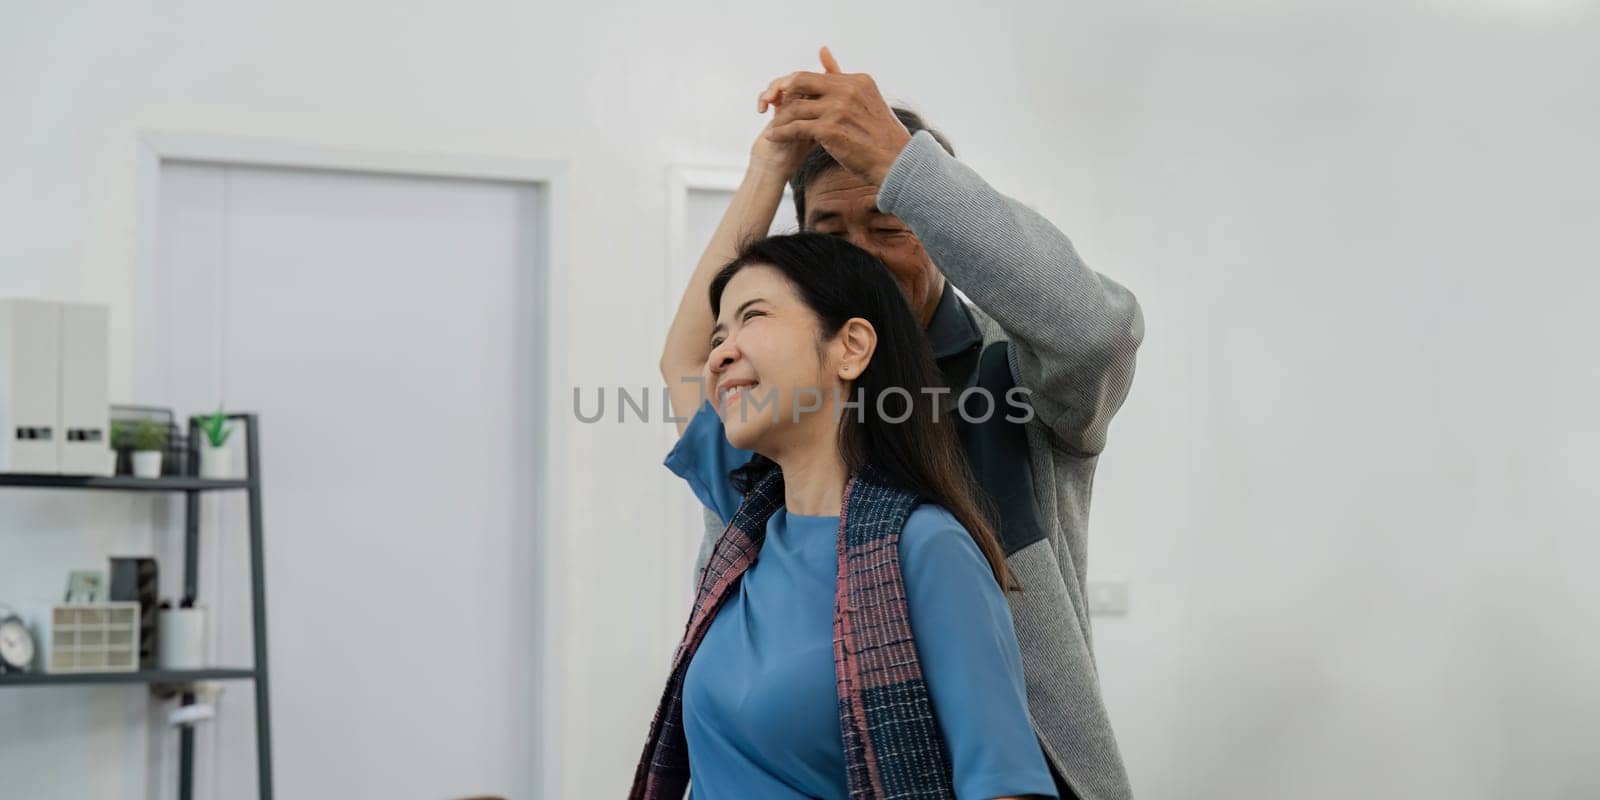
(765,375)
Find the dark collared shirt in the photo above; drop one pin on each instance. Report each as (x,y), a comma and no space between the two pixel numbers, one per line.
(955,340)
(996,447)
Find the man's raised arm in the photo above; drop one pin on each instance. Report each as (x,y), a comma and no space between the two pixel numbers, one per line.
(1074,331)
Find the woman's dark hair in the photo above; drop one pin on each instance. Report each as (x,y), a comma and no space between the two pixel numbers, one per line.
(920,454)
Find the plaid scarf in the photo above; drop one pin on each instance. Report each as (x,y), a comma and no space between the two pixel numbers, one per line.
(892,744)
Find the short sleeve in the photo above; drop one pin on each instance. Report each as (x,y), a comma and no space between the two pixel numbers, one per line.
(703,457)
(970,660)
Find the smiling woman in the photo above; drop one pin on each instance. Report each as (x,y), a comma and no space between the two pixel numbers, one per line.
(770,365)
(827,365)
(870,648)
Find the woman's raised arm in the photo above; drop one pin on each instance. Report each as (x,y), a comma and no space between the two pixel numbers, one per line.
(683,357)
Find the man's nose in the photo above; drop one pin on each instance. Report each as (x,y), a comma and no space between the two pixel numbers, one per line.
(866,243)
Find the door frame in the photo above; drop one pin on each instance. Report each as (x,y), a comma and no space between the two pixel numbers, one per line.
(680,502)
(544,509)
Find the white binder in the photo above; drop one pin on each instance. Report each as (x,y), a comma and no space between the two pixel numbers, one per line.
(30,386)
(85,407)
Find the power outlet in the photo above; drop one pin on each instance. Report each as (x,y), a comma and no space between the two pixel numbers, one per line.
(1108,598)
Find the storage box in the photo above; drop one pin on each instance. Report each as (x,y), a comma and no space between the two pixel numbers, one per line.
(136,579)
(30,386)
(85,401)
(90,637)
(54,376)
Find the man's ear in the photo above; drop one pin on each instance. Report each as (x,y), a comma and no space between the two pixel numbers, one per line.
(857,341)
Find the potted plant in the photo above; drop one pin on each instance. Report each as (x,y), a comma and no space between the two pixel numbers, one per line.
(149,444)
(121,442)
(214,461)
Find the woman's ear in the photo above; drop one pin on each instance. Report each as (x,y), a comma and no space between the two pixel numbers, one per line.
(857,340)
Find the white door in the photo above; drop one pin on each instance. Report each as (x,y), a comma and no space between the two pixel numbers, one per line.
(379,326)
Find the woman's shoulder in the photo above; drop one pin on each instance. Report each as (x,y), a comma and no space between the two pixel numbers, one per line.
(946,575)
(932,533)
(933,517)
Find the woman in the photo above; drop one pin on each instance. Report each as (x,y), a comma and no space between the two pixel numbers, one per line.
(850,637)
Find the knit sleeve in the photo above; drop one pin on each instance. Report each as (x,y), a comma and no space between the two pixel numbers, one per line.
(1074,331)
(703,457)
(970,660)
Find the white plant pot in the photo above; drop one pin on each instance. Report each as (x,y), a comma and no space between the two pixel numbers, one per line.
(147,463)
(215,462)
(181,638)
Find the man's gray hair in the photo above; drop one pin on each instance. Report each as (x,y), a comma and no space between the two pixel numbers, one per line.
(818,161)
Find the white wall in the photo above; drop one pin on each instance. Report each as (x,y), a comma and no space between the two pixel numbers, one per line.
(1346,488)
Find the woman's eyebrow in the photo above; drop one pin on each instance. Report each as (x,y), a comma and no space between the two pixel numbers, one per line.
(742,306)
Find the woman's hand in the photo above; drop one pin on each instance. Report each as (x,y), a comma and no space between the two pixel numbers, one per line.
(774,158)
(750,212)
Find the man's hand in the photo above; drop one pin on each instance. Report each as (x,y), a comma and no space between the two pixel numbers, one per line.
(843,113)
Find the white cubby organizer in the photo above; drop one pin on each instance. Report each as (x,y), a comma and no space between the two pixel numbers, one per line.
(91,637)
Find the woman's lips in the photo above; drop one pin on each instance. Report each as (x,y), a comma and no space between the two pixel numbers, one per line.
(736,390)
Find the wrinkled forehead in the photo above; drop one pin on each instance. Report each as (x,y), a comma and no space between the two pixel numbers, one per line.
(839,193)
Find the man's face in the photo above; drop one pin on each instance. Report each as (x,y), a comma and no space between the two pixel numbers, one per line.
(840,204)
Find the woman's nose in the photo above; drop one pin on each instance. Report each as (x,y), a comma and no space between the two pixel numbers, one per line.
(722,355)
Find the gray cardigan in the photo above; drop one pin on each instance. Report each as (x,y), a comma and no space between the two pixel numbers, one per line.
(1069,336)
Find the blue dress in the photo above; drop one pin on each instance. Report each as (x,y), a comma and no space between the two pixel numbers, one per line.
(760,707)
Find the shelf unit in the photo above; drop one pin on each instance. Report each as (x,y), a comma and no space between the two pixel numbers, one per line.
(192,488)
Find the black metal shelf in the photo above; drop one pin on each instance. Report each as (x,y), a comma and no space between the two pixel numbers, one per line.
(192,487)
(166,676)
(123,483)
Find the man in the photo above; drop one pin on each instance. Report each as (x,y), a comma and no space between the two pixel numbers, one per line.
(1038,319)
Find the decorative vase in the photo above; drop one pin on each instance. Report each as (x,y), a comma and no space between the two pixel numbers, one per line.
(215,462)
(147,463)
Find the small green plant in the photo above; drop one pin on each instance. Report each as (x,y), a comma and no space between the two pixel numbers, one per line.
(215,427)
(149,435)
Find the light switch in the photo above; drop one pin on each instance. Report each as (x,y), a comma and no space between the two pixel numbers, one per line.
(1108,598)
